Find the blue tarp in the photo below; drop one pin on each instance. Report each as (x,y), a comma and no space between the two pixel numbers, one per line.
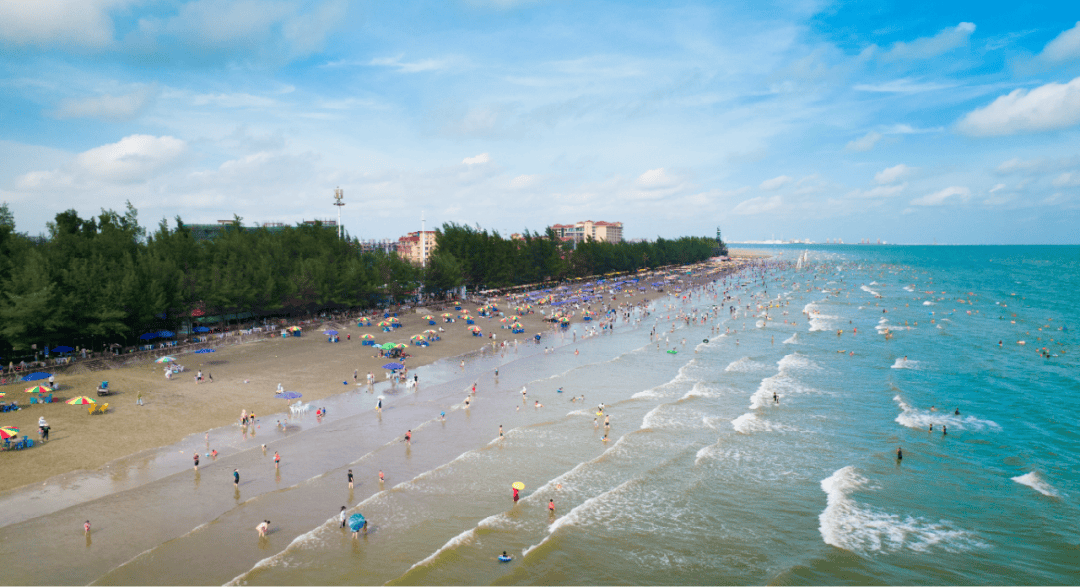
(37,376)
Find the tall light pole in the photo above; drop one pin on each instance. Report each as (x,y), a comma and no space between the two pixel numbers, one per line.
(338,195)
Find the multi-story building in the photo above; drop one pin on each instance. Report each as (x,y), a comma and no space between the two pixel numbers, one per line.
(386,245)
(580,231)
(415,251)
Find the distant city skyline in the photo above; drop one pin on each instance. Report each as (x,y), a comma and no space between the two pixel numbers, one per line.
(906,122)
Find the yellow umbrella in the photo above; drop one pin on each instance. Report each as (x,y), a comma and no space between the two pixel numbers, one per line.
(38,389)
(518,485)
(82,400)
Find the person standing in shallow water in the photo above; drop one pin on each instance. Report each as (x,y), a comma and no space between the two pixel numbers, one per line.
(899,454)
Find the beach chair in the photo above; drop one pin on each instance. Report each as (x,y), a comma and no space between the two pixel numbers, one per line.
(103,408)
(90,409)
(33,400)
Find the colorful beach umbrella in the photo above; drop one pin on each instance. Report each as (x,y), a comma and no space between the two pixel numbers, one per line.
(38,389)
(387,346)
(8,432)
(399,346)
(417,337)
(368,337)
(165,360)
(384,323)
(82,400)
(429,317)
(429,331)
(474,328)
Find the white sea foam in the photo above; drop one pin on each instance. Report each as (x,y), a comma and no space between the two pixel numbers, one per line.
(1036,482)
(870,291)
(922,419)
(928,303)
(794,339)
(903,363)
(760,324)
(908,288)
(465,537)
(784,382)
(850,525)
(744,365)
(701,390)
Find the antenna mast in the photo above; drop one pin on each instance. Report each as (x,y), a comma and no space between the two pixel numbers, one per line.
(338,195)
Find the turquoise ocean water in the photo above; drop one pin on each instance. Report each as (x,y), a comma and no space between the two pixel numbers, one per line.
(706,479)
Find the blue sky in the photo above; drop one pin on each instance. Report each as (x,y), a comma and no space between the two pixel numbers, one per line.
(902,121)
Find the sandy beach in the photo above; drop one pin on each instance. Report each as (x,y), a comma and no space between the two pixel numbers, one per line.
(245,377)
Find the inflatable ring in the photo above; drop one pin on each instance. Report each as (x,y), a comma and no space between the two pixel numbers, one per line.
(505,558)
(673,352)
(705,340)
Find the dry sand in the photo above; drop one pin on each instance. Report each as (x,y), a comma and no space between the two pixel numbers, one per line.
(246,374)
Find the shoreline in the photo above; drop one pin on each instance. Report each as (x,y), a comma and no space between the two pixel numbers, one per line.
(248,373)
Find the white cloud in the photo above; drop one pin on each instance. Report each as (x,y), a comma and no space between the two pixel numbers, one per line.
(82,23)
(237,100)
(775,183)
(939,198)
(1049,107)
(651,176)
(757,205)
(997,187)
(881,191)
(1064,47)
(907,129)
(1067,180)
(864,143)
(892,174)
(133,159)
(927,47)
(106,106)
(902,86)
(481,158)
(522,181)
(409,67)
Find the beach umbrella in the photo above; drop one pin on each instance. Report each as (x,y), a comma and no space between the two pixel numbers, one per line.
(165,360)
(356,522)
(204,351)
(474,328)
(393,320)
(165,334)
(82,400)
(417,337)
(38,389)
(287,395)
(8,432)
(447,315)
(147,336)
(384,324)
(429,317)
(200,329)
(502,319)
(518,485)
(399,346)
(387,346)
(392,366)
(368,337)
(37,376)
(429,331)
(330,332)
(62,349)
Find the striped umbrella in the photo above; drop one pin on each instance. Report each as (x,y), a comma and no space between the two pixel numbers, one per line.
(38,389)
(82,400)
(474,328)
(368,337)
(165,360)
(429,317)
(8,432)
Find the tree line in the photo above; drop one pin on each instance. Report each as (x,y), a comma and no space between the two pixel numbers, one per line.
(106,279)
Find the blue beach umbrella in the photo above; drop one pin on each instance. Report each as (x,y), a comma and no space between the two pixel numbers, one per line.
(330,332)
(356,522)
(37,376)
(148,336)
(165,334)
(62,349)
(200,329)
(204,351)
(392,366)
(287,395)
